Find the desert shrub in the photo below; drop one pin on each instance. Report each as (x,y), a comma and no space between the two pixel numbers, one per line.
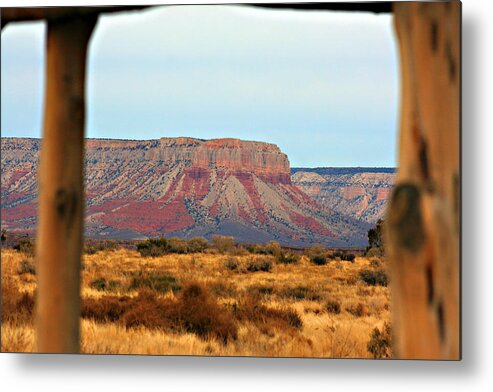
(363,292)
(153,247)
(318,260)
(343,256)
(222,289)
(374,277)
(106,308)
(336,255)
(259,264)
(266,319)
(380,343)
(26,246)
(317,255)
(16,306)
(89,249)
(197,245)
(299,293)
(348,257)
(333,306)
(92,247)
(177,245)
(27,266)
(101,284)
(375,240)
(195,311)
(156,282)
(260,290)
(273,248)
(375,263)
(25,305)
(257,249)
(287,258)
(358,310)
(202,315)
(232,263)
(223,244)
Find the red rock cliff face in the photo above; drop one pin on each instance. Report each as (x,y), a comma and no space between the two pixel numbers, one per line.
(263,159)
(181,186)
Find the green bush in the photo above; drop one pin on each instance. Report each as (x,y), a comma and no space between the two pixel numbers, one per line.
(374,277)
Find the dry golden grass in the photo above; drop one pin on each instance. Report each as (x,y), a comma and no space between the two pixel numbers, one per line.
(302,287)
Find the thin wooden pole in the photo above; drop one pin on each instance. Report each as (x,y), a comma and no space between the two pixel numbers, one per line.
(61,203)
(423,218)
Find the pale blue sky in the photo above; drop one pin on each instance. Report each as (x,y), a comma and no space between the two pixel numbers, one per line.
(323,86)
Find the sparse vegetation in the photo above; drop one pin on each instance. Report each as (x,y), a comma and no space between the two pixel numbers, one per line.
(209,303)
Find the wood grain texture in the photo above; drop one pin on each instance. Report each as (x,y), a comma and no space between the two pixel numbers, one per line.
(61,204)
(423,218)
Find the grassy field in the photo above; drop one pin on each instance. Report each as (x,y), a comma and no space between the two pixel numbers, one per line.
(210,304)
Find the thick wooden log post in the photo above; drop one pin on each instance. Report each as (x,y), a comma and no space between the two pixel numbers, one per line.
(423,219)
(61,204)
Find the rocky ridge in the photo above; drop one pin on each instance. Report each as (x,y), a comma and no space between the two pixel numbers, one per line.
(361,193)
(182,187)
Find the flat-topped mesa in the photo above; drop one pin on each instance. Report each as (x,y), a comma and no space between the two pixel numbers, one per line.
(183,187)
(224,155)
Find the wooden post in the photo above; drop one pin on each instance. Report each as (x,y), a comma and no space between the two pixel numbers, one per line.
(423,219)
(61,204)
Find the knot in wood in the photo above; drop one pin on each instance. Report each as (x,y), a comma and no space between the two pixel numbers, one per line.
(405,221)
